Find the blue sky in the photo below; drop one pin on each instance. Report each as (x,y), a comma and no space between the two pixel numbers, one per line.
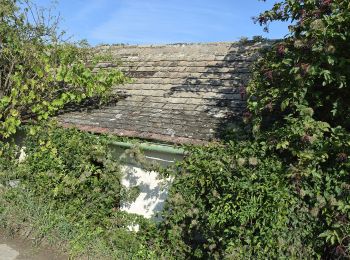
(162,21)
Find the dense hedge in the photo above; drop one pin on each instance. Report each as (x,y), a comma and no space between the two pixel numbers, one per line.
(285,191)
(68,190)
(235,201)
(279,191)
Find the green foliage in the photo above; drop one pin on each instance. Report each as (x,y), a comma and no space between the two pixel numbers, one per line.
(39,72)
(306,74)
(68,190)
(282,191)
(68,166)
(285,192)
(300,93)
(235,201)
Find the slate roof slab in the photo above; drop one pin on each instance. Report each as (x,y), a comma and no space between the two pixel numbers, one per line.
(181,93)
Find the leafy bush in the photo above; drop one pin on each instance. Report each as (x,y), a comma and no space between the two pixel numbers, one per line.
(243,200)
(235,201)
(285,193)
(40,73)
(303,84)
(69,166)
(68,189)
(282,191)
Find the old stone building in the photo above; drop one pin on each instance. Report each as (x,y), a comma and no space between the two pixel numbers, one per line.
(181,93)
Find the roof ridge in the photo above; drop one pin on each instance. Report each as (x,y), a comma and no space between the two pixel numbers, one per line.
(185,44)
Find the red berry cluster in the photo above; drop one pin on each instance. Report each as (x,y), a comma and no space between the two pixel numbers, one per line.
(342,157)
(247,116)
(269,74)
(304,68)
(262,19)
(327,2)
(307,139)
(281,49)
(243,92)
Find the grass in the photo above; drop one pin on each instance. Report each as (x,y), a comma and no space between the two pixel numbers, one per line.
(30,217)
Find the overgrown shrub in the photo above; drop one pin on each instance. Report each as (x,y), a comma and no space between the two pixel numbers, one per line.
(68,190)
(285,193)
(74,167)
(235,201)
(303,85)
(40,72)
(245,200)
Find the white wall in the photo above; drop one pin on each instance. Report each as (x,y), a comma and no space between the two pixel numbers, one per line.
(153,191)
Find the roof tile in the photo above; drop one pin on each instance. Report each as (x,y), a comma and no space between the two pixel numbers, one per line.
(182,93)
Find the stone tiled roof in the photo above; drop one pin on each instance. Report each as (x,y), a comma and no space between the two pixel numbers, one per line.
(181,93)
